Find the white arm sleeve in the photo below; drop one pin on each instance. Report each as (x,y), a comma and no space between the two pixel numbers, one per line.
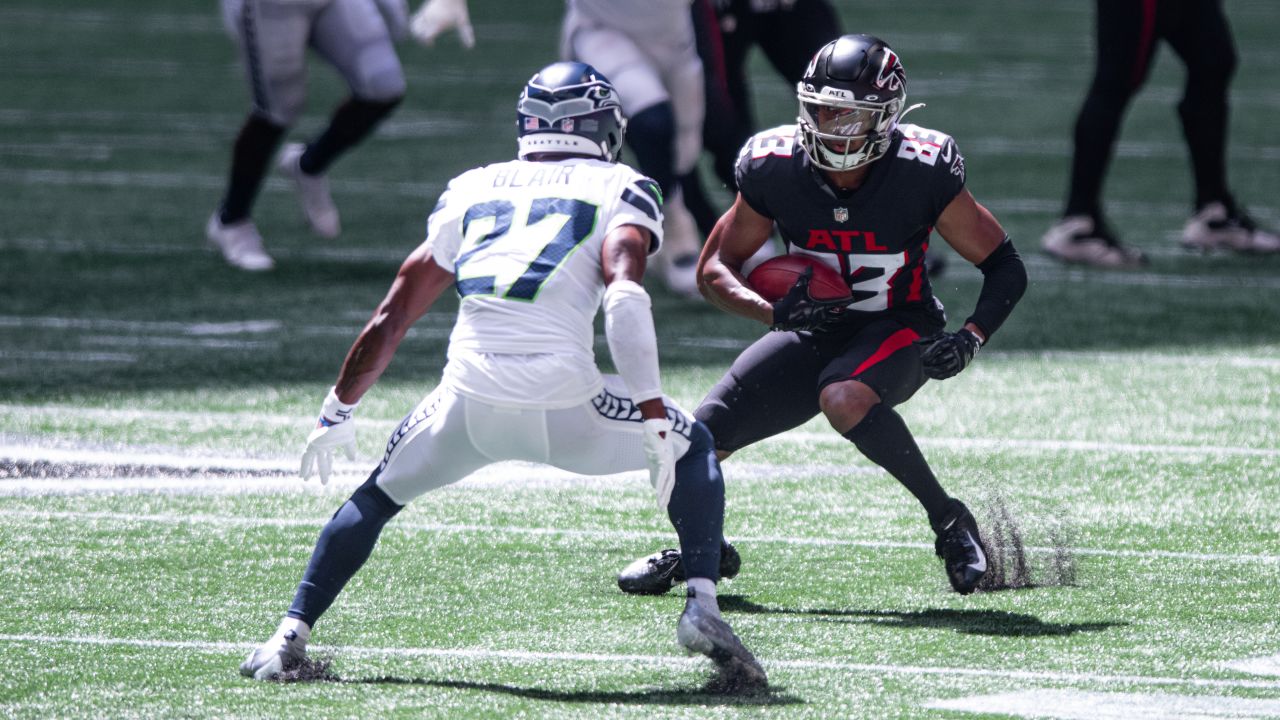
(628,325)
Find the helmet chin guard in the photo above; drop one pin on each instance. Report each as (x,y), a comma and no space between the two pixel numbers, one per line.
(570,108)
(852,96)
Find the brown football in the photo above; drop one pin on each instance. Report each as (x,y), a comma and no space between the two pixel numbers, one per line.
(775,276)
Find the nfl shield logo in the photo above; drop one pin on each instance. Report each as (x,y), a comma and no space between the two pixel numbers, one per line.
(566,125)
(842,214)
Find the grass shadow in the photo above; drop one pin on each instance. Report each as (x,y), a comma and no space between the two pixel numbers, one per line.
(967,622)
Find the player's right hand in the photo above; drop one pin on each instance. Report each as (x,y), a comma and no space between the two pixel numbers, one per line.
(797,310)
(660,452)
(336,429)
(436,16)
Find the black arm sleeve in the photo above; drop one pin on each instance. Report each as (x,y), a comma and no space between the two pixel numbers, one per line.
(1004,280)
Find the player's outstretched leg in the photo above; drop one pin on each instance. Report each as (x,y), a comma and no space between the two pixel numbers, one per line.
(696,510)
(657,573)
(344,545)
(960,547)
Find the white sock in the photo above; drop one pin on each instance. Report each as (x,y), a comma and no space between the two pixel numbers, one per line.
(291,623)
(703,591)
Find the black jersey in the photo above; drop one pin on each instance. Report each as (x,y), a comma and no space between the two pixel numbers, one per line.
(875,236)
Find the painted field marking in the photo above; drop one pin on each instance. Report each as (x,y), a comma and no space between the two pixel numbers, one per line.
(583,533)
(1268,665)
(68,356)
(670,660)
(1084,705)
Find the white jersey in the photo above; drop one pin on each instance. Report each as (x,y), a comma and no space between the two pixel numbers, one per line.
(524,241)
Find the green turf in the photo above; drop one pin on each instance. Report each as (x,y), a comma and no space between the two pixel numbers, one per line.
(1126,421)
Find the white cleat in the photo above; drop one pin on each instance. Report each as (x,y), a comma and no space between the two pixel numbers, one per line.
(700,631)
(1215,227)
(240,244)
(313,193)
(284,651)
(1075,239)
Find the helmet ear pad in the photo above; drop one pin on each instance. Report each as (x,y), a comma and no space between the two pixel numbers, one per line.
(570,108)
(855,75)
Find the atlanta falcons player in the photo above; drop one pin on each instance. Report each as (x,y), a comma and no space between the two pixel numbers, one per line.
(854,188)
(534,246)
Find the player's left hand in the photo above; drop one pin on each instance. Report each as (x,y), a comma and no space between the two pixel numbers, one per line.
(798,310)
(336,429)
(945,354)
(660,452)
(436,16)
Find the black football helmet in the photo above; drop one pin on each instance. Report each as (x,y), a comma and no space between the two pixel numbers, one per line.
(854,89)
(569,107)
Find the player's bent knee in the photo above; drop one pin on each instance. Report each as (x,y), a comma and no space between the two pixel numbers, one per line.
(845,403)
(384,88)
(701,442)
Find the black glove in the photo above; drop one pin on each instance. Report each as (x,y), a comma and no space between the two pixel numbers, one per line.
(945,354)
(797,310)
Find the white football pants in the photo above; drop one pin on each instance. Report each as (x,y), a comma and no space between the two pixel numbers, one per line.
(449,436)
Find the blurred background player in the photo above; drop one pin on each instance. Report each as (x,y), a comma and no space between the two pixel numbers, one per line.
(647,49)
(534,246)
(1128,33)
(355,37)
(788,32)
(852,188)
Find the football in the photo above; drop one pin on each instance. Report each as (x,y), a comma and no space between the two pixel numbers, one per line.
(775,276)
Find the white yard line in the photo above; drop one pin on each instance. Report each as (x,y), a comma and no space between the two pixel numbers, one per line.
(589,534)
(1269,665)
(1083,705)
(484,654)
(68,356)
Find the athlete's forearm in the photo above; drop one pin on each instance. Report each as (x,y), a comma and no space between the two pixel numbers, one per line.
(726,289)
(369,357)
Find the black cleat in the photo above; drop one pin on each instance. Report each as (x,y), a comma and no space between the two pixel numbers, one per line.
(960,547)
(700,631)
(661,571)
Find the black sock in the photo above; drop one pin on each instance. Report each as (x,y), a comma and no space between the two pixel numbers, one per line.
(345,544)
(651,136)
(697,506)
(256,142)
(351,122)
(884,438)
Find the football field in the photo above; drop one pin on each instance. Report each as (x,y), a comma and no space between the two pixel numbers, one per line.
(1118,440)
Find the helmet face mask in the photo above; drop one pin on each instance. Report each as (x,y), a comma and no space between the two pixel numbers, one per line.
(851,98)
(569,108)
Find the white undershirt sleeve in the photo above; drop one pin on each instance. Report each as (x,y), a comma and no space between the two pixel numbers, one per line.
(633,343)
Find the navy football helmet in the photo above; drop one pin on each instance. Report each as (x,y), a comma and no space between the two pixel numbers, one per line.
(569,107)
(851,97)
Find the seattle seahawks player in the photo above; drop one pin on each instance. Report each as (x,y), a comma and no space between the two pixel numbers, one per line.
(355,37)
(533,247)
(862,193)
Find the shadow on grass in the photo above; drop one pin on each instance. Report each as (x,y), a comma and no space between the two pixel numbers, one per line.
(717,691)
(709,695)
(968,622)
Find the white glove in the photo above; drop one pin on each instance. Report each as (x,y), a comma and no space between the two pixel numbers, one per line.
(396,14)
(336,428)
(660,452)
(436,16)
